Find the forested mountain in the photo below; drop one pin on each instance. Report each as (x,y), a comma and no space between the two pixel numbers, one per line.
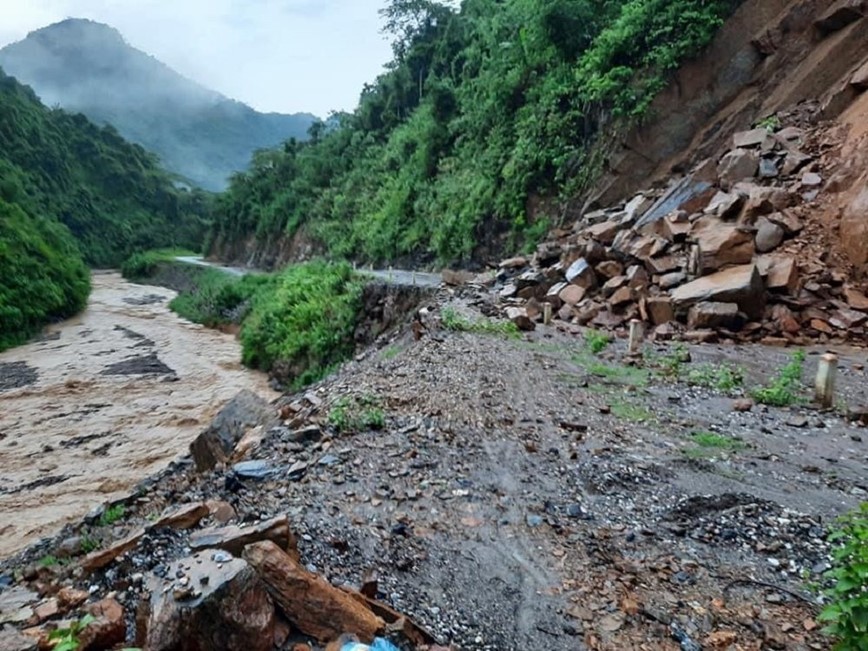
(85,66)
(485,109)
(72,192)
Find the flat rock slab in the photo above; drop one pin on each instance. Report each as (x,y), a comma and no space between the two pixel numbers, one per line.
(741,285)
(233,539)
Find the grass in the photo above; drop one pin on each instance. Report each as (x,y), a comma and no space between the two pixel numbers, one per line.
(784,389)
(143,265)
(88,544)
(357,414)
(112,515)
(597,341)
(722,377)
(48,560)
(630,375)
(671,364)
(631,411)
(709,443)
(391,352)
(453,321)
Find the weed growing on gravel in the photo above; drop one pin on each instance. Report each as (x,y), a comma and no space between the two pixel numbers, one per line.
(48,561)
(112,515)
(709,441)
(391,352)
(597,341)
(66,639)
(631,411)
(357,415)
(784,389)
(670,365)
(453,321)
(846,615)
(721,377)
(631,375)
(88,544)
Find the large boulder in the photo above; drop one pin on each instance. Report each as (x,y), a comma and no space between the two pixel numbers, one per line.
(741,285)
(737,165)
(216,444)
(722,245)
(713,315)
(840,14)
(210,601)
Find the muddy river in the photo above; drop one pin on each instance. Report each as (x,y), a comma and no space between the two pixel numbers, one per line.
(102,401)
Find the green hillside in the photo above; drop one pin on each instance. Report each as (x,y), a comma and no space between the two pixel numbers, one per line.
(484,110)
(75,193)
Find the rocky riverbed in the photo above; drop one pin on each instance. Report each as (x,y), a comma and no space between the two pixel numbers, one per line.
(513,493)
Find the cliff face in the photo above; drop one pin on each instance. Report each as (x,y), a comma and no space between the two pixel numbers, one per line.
(772,57)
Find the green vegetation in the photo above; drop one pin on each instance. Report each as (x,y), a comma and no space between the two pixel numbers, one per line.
(112,515)
(597,341)
(88,544)
(143,264)
(357,414)
(303,325)
(482,109)
(67,639)
(846,615)
(709,442)
(219,298)
(629,410)
(48,561)
(43,278)
(629,375)
(453,321)
(783,390)
(672,364)
(722,377)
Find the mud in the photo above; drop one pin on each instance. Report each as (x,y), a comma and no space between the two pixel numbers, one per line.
(102,401)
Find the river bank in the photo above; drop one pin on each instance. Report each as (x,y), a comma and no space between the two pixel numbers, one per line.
(104,400)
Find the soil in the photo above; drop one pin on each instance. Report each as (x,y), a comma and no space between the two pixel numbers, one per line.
(525,493)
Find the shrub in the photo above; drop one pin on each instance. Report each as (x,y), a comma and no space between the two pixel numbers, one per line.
(357,414)
(847,613)
(784,389)
(597,341)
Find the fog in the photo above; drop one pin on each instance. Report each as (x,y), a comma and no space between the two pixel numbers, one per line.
(284,56)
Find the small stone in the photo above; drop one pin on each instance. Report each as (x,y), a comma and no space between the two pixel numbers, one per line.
(742,405)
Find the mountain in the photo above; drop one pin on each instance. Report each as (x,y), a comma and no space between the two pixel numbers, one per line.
(87,67)
(73,192)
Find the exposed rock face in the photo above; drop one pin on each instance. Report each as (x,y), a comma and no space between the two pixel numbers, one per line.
(217,602)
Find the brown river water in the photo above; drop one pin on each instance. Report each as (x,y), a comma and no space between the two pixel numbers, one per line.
(104,400)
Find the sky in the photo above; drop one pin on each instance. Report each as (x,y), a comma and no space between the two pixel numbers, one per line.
(286,56)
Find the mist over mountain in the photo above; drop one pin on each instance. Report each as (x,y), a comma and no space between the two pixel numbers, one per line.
(88,67)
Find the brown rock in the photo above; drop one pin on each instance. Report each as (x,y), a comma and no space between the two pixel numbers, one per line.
(581,274)
(609,269)
(637,277)
(737,165)
(847,319)
(309,602)
(233,539)
(621,297)
(740,285)
(657,309)
(604,233)
(722,245)
(787,221)
(613,284)
(713,315)
(456,277)
(785,320)
(221,511)
(676,228)
(839,15)
(222,605)
(855,225)
(821,326)
(185,517)
(509,290)
(109,629)
(700,336)
(794,161)
(752,138)
(12,640)
(566,312)
(101,558)
(521,318)
(673,279)
(572,294)
(725,205)
(781,273)
(216,444)
(46,610)
(664,265)
(768,236)
(856,299)
(69,598)
(742,404)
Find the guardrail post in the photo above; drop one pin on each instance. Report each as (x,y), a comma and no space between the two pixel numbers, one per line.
(547,313)
(637,336)
(390,273)
(824,387)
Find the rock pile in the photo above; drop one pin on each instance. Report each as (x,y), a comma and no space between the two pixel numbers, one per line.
(721,252)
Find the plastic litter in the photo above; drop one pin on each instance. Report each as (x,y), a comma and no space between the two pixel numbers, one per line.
(379,644)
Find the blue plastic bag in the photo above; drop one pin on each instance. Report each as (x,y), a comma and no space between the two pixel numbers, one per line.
(379,644)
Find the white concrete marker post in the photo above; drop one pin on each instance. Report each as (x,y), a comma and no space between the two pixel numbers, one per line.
(547,313)
(390,273)
(414,278)
(824,387)
(637,335)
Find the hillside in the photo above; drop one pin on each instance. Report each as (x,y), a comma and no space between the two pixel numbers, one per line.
(85,66)
(72,192)
(486,118)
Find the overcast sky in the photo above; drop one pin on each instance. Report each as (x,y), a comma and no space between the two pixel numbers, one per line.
(276,55)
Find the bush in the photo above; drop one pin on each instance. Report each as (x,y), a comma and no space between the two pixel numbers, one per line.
(784,389)
(847,612)
(303,325)
(220,298)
